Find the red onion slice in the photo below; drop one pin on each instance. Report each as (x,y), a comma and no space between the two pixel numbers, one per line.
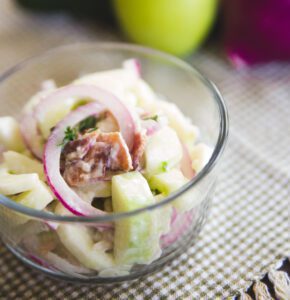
(52,153)
(51,225)
(186,164)
(180,223)
(39,261)
(113,104)
(29,127)
(31,135)
(64,265)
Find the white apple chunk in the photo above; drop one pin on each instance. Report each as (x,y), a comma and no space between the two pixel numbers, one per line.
(18,163)
(163,151)
(170,182)
(79,241)
(146,98)
(11,184)
(37,198)
(89,192)
(25,189)
(200,154)
(49,118)
(136,238)
(187,132)
(119,82)
(10,136)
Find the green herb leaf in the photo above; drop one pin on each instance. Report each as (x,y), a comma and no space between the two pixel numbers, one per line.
(164,166)
(88,123)
(92,129)
(155,192)
(70,134)
(154,118)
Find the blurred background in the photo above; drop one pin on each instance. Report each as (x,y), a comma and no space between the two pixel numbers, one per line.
(248,32)
(241,45)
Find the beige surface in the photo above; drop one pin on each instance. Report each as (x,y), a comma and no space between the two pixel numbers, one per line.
(247,230)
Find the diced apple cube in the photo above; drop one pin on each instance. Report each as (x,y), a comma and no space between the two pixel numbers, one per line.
(79,241)
(163,151)
(187,132)
(170,182)
(21,164)
(136,238)
(10,136)
(200,155)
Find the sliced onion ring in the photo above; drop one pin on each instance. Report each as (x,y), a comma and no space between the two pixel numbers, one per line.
(186,163)
(113,104)
(29,127)
(180,224)
(52,153)
(31,135)
(64,265)
(51,225)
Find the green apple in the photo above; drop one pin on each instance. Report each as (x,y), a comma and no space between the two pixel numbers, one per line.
(136,238)
(175,26)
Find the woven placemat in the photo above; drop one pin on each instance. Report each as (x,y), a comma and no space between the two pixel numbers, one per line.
(247,232)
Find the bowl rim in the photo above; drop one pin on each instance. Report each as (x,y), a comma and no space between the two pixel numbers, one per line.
(215,157)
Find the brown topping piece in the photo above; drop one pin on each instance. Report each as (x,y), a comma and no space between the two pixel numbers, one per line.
(138,149)
(92,156)
(108,122)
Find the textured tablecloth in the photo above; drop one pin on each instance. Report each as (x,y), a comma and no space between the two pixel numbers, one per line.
(247,231)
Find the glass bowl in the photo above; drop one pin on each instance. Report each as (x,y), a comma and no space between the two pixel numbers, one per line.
(33,235)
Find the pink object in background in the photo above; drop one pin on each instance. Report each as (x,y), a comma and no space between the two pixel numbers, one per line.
(256,31)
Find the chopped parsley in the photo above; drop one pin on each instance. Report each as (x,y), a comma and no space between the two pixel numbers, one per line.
(87,123)
(154,118)
(164,166)
(92,129)
(70,134)
(155,192)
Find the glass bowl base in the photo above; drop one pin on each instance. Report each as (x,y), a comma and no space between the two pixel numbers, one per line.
(84,279)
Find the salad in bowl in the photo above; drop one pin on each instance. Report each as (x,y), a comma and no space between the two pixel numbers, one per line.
(100,158)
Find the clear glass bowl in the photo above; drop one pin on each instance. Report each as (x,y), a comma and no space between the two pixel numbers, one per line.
(31,234)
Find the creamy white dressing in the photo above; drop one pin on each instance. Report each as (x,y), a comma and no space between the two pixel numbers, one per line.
(108,124)
(101,189)
(114,152)
(86,167)
(100,168)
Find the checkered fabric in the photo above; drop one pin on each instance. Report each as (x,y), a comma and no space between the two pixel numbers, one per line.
(247,232)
